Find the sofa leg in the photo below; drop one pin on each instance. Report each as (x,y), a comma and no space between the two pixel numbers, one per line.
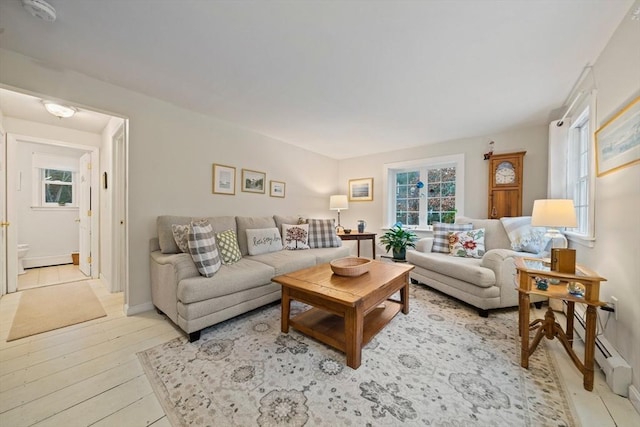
(483,313)
(414,282)
(194,336)
(159,311)
(538,304)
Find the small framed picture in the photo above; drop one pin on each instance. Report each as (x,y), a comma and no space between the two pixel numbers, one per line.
(276,188)
(618,140)
(361,190)
(224,179)
(253,181)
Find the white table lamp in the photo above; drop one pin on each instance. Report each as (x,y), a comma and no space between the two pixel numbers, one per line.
(338,203)
(553,214)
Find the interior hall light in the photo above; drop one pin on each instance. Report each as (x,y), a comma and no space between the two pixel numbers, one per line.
(59,110)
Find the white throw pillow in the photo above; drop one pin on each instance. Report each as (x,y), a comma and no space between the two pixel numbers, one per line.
(295,236)
(263,240)
(524,237)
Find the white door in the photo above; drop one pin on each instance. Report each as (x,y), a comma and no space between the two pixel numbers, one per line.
(3,213)
(84,210)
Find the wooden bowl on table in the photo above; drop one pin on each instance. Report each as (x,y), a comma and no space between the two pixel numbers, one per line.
(350,266)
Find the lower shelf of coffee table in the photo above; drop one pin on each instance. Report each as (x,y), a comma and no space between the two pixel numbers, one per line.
(329,328)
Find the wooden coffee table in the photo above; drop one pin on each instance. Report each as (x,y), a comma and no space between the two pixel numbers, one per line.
(347,311)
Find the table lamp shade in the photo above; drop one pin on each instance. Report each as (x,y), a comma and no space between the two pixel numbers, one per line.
(338,203)
(554,213)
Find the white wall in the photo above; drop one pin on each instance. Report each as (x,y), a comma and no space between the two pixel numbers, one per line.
(616,254)
(171,151)
(533,140)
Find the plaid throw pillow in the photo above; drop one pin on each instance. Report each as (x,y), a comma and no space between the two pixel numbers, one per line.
(441,235)
(322,234)
(203,249)
(228,245)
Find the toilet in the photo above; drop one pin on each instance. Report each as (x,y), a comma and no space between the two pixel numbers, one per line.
(22,251)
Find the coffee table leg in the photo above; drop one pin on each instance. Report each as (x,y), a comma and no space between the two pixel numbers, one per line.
(353,329)
(404,296)
(286,306)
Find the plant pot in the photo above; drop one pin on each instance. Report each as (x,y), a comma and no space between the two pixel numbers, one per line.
(400,254)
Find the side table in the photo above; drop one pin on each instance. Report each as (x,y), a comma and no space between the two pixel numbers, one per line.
(531,268)
(361,236)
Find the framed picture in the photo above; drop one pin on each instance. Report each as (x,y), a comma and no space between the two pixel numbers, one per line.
(618,140)
(361,190)
(224,179)
(253,181)
(276,188)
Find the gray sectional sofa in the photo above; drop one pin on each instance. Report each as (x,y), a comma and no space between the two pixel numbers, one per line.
(485,283)
(194,302)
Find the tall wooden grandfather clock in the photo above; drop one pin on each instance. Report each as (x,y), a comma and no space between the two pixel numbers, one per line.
(505,184)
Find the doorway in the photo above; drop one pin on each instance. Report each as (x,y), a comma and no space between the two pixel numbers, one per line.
(99,203)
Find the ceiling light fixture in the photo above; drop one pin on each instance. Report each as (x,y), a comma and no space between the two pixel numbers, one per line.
(59,110)
(40,9)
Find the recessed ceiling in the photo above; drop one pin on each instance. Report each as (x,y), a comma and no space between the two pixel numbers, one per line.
(341,78)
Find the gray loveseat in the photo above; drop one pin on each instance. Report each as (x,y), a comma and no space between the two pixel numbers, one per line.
(194,302)
(485,283)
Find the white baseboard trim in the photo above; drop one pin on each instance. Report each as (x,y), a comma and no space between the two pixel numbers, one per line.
(634,397)
(45,261)
(136,309)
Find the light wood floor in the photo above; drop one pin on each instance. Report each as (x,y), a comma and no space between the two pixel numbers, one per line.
(89,374)
(47,276)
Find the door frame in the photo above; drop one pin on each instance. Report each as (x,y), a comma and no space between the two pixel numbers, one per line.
(3,212)
(119,214)
(12,237)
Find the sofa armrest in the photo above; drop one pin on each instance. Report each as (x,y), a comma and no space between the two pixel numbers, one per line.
(503,264)
(167,270)
(425,244)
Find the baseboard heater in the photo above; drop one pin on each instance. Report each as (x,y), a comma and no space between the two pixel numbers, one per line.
(616,370)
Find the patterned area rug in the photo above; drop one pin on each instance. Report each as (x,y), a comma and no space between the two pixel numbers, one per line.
(440,365)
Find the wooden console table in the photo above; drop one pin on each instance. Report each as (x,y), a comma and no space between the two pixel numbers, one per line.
(361,236)
(531,268)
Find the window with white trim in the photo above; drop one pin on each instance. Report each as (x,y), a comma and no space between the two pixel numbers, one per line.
(57,187)
(580,174)
(54,180)
(422,192)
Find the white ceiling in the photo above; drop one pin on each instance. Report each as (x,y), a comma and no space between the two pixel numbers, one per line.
(341,78)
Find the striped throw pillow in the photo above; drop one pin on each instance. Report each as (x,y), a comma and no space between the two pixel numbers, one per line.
(322,234)
(203,248)
(441,235)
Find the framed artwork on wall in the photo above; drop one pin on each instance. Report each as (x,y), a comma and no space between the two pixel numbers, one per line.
(361,190)
(276,188)
(618,140)
(224,179)
(253,181)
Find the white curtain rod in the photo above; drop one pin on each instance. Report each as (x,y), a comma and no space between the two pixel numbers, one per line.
(561,121)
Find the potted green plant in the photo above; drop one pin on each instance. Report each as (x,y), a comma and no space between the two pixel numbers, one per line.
(398,239)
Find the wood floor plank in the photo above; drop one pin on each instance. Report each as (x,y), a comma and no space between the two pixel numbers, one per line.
(54,403)
(101,405)
(43,386)
(144,412)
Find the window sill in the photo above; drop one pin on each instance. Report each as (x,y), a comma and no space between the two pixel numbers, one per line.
(429,229)
(582,240)
(54,208)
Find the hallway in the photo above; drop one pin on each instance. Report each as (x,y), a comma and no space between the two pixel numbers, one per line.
(46,276)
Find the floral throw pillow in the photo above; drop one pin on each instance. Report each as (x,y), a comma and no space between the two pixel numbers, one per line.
(181,236)
(468,244)
(295,236)
(441,232)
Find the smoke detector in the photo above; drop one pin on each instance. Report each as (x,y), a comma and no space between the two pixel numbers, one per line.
(40,9)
